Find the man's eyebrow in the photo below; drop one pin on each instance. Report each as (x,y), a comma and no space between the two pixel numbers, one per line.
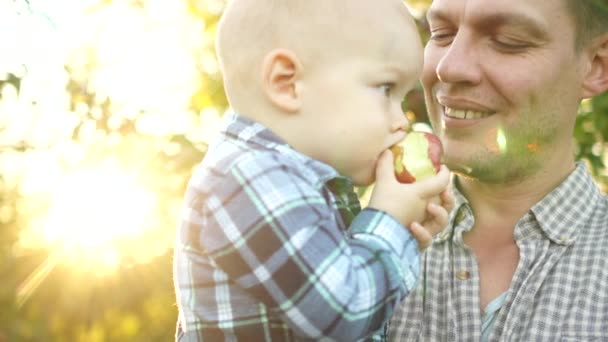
(493,21)
(534,27)
(435,14)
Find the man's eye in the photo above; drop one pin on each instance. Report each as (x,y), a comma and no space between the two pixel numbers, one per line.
(441,37)
(511,45)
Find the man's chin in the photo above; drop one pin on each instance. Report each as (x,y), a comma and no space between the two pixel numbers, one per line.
(471,168)
(458,164)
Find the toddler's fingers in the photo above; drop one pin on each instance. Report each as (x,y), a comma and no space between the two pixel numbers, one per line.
(447,200)
(421,235)
(433,186)
(439,216)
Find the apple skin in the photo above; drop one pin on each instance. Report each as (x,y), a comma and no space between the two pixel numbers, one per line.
(417,156)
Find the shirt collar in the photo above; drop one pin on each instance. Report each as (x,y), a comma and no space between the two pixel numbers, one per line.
(566,210)
(249,132)
(458,214)
(560,215)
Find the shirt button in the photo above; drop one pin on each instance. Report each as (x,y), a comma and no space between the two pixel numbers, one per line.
(463,275)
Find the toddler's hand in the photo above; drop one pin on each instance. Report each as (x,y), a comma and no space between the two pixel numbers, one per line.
(435,221)
(406,202)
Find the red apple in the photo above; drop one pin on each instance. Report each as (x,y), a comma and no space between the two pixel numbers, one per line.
(417,156)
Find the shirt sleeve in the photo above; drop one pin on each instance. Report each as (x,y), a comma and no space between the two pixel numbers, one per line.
(274,233)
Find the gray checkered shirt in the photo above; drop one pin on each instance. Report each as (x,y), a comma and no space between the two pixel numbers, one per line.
(559,291)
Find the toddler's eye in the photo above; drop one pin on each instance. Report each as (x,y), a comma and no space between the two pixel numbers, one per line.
(386,89)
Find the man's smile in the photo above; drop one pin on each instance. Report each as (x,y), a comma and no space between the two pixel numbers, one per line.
(464,113)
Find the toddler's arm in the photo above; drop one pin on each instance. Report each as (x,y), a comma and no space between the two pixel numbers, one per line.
(273,233)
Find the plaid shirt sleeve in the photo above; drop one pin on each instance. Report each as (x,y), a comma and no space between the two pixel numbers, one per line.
(275,234)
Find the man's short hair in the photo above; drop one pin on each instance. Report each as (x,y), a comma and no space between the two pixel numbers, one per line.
(590,18)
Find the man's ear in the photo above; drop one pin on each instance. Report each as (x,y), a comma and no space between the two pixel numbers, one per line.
(281,73)
(596,80)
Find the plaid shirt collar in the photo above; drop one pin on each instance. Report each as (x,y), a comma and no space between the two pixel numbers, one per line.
(249,132)
(561,228)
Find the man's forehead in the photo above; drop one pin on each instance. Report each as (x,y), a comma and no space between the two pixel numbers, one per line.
(524,13)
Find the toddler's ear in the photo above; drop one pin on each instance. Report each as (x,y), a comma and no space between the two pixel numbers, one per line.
(596,80)
(281,72)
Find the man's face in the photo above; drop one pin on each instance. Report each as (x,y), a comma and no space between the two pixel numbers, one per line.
(502,83)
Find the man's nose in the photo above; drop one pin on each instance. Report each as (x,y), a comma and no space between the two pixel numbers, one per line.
(460,61)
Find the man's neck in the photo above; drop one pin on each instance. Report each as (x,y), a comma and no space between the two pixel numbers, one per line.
(501,205)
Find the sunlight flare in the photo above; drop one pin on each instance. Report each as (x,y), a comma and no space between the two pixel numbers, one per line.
(501,141)
(98,217)
(33,281)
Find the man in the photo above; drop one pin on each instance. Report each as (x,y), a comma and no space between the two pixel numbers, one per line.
(525,256)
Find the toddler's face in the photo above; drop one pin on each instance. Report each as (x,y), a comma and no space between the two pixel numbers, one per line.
(352,106)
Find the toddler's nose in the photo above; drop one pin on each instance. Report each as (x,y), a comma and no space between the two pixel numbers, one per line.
(401,122)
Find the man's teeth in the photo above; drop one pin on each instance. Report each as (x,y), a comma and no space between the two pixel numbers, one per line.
(464,114)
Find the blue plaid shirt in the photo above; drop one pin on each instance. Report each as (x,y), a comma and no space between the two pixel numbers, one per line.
(273,246)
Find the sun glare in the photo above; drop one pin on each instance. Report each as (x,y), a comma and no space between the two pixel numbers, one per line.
(95,213)
(501,140)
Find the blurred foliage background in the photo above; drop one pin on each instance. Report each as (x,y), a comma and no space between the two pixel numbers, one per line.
(105,108)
